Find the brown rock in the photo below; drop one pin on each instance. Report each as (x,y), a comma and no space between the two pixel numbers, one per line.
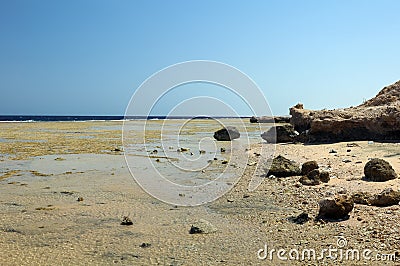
(283,167)
(308,167)
(280,134)
(335,208)
(378,170)
(387,197)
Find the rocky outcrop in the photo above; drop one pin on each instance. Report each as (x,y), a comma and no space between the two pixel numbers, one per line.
(226,134)
(280,134)
(376,119)
(379,170)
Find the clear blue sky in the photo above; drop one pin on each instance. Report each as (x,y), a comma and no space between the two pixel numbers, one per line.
(88,57)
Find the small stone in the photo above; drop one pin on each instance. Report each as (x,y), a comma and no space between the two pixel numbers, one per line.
(157,160)
(145,245)
(332,151)
(224,162)
(300,219)
(80,199)
(202,227)
(202,151)
(126,221)
(223,150)
(346,161)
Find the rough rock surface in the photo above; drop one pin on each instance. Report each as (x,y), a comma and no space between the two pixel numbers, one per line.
(226,134)
(283,167)
(379,170)
(376,119)
(335,208)
(280,134)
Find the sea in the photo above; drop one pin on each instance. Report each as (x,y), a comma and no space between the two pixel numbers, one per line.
(66,118)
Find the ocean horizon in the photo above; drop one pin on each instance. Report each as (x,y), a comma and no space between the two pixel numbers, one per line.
(66,118)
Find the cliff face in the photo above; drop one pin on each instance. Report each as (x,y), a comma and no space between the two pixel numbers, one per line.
(376,119)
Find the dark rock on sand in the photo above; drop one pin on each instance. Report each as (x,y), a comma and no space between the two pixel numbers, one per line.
(283,167)
(377,119)
(363,198)
(126,221)
(300,219)
(202,227)
(308,167)
(226,134)
(379,170)
(387,197)
(324,176)
(280,134)
(335,208)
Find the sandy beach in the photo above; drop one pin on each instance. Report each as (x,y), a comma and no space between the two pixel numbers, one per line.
(65,187)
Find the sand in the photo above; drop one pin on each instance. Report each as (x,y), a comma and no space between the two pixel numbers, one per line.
(46,167)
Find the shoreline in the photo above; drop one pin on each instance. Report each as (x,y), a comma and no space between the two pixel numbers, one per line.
(44,223)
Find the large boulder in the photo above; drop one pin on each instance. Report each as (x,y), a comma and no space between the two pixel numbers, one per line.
(377,119)
(280,134)
(283,167)
(227,133)
(378,170)
(335,208)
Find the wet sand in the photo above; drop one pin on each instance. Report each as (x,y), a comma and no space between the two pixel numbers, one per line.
(46,167)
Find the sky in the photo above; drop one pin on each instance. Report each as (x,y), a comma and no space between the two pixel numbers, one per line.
(88,57)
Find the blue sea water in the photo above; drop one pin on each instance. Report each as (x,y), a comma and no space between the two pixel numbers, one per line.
(56,118)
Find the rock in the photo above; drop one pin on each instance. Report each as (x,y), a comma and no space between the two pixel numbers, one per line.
(387,197)
(126,221)
(324,176)
(223,150)
(282,167)
(378,170)
(145,245)
(280,134)
(377,119)
(315,177)
(363,198)
(300,219)
(308,167)
(202,151)
(202,227)
(335,208)
(332,151)
(270,119)
(226,134)
(79,199)
(311,179)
